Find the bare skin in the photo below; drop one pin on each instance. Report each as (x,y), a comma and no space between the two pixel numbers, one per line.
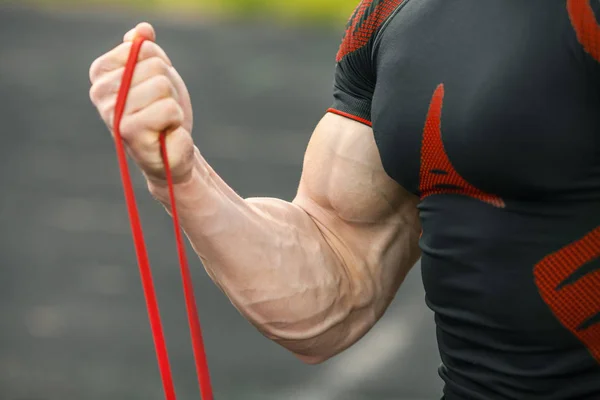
(314,274)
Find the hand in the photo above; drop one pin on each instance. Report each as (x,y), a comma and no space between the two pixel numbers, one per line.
(158,102)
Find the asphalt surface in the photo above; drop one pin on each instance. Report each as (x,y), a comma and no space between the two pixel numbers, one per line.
(72,315)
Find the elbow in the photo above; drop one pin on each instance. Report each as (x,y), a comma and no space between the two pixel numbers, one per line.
(313,359)
(304,351)
(320,344)
(308,351)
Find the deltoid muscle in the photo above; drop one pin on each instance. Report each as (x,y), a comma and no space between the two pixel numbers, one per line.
(365,21)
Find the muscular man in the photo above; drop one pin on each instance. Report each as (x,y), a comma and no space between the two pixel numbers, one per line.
(472,125)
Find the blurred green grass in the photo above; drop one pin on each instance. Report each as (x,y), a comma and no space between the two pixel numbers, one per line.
(315,11)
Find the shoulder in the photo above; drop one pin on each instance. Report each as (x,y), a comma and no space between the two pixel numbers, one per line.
(355,75)
(366,21)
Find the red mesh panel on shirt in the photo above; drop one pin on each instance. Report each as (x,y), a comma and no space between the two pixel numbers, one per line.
(364,22)
(586,26)
(577,302)
(437,175)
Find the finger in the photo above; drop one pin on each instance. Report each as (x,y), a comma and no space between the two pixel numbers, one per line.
(117,58)
(180,153)
(142,134)
(184,96)
(108,85)
(140,130)
(154,89)
(130,35)
(143,29)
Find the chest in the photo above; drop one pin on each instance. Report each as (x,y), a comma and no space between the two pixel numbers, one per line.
(506,83)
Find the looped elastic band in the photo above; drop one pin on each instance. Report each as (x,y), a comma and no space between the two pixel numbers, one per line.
(142,255)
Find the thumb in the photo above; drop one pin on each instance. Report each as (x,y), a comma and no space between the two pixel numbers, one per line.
(143,29)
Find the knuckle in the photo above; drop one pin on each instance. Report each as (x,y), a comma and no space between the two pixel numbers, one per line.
(164,85)
(180,115)
(151,49)
(122,51)
(95,69)
(110,124)
(172,109)
(100,90)
(105,62)
(158,66)
(94,94)
(106,111)
(127,128)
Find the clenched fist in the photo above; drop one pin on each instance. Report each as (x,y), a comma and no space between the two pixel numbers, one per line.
(158,102)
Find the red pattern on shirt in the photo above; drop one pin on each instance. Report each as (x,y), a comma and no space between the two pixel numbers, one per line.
(364,23)
(586,26)
(438,175)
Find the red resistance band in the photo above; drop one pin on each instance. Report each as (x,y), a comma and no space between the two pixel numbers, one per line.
(142,255)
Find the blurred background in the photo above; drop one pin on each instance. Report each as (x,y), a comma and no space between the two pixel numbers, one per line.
(73,323)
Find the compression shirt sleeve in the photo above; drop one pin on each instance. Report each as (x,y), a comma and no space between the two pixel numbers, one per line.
(355,76)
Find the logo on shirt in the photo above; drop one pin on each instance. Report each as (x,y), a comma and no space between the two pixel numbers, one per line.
(437,175)
(365,21)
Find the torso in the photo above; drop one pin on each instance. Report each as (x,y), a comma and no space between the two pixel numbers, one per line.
(489,110)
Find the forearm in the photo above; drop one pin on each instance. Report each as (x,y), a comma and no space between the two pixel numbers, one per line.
(273,261)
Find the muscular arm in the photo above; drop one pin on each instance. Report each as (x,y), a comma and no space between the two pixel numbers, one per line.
(315,274)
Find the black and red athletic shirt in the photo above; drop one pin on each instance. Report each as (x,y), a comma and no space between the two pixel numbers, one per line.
(489,110)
